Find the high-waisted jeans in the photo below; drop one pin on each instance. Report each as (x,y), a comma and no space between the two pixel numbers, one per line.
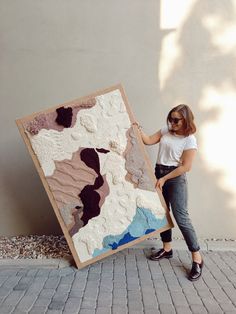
(176,196)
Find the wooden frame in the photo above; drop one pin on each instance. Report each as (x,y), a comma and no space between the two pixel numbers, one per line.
(21,126)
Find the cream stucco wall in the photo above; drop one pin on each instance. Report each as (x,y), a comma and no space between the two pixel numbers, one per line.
(54,51)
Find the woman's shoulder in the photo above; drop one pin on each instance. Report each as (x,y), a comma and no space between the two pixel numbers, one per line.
(164,130)
(190,142)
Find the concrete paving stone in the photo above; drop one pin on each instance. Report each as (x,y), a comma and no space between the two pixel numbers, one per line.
(133,286)
(38,310)
(205,293)
(135,305)
(150,301)
(4,272)
(119,309)
(120,302)
(93,276)
(103,310)
(92,293)
(51,311)
(174,287)
(226,307)
(22,272)
(178,298)
(53,273)
(119,292)
(3,279)
(7,309)
(63,287)
(35,288)
(18,311)
(121,278)
(78,285)
(13,298)
(87,311)
(43,272)
(104,302)
(22,286)
(47,293)
(167,309)
(76,293)
(211,305)
(151,311)
(163,296)
(66,271)
(198,309)
(136,311)
(4,292)
(32,272)
(220,295)
(88,304)
(106,288)
(106,276)
(41,302)
(52,282)
(26,302)
(183,310)
(2,299)
(134,294)
(231,293)
(60,296)
(159,284)
(119,285)
(67,279)
(193,299)
(11,282)
(56,305)
(73,304)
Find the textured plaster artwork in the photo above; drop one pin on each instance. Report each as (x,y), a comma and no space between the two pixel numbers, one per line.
(97,174)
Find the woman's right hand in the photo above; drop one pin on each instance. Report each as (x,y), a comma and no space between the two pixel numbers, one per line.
(137,124)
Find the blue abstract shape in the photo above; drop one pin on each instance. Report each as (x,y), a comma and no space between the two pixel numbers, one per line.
(144,222)
(149,231)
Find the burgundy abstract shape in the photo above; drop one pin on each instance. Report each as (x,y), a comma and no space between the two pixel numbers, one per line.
(64,116)
(89,197)
(102,150)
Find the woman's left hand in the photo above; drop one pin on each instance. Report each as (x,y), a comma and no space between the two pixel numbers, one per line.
(160,183)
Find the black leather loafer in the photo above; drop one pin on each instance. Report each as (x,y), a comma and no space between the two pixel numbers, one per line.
(196,271)
(156,256)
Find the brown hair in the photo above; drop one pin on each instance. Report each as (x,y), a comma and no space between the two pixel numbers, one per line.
(185,111)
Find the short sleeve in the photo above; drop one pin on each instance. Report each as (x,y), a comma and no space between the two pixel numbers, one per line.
(164,130)
(191,143)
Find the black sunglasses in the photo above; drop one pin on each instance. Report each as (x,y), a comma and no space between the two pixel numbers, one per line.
(174,120)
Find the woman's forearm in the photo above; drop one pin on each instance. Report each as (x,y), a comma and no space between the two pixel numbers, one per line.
(175,173)
(146,138)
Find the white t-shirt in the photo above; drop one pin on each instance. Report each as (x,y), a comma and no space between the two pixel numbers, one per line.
(171,147)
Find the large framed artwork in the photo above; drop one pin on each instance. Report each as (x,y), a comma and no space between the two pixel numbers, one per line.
(97,174)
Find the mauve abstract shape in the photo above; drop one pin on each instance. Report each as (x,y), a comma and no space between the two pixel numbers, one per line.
(48,121)
(67,181)
(64,116)
(135,165)
(37,124)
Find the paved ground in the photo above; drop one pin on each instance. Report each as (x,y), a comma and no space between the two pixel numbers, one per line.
(126,282)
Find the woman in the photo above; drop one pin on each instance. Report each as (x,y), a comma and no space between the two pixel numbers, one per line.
(177,149)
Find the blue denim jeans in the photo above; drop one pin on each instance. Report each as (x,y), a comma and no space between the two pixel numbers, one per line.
(176,196)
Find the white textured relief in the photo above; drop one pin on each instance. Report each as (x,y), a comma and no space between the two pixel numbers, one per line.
(118,209)
(51,145)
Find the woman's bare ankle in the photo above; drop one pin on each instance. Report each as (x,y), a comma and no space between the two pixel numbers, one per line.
(167,246)
(196,257)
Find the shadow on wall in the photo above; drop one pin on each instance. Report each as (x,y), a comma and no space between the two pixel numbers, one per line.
(33,214)
(202,76)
